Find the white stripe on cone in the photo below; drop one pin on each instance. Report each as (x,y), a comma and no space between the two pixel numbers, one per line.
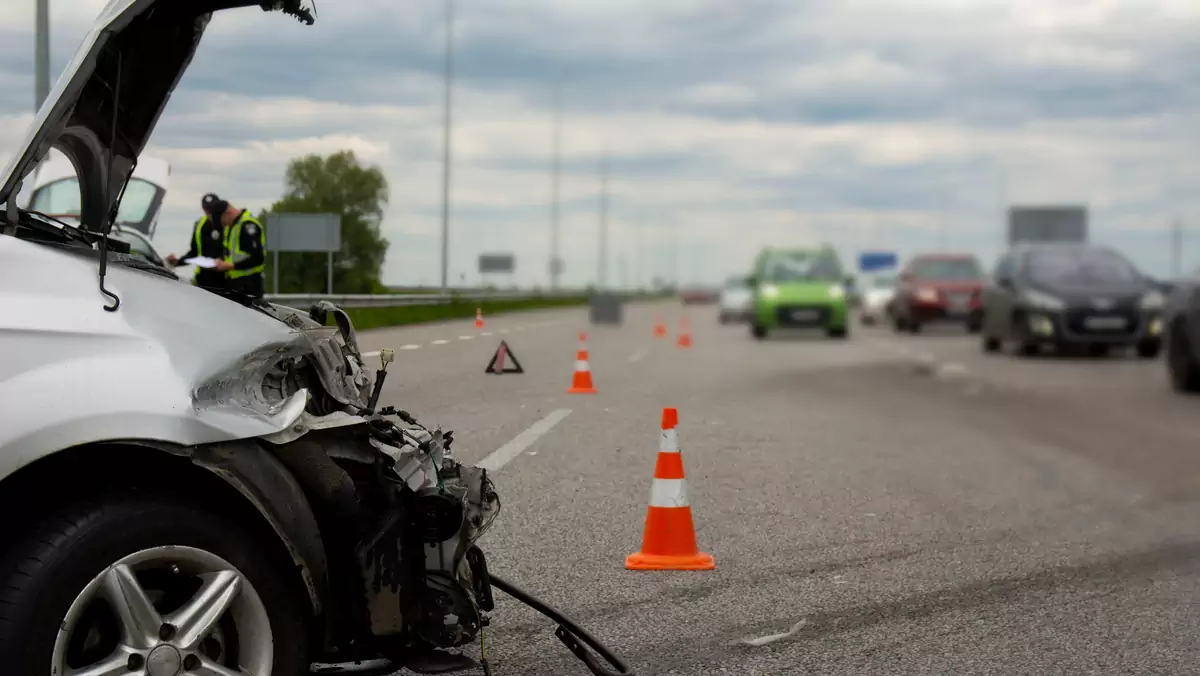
(669,441)
(581,365)
(669,493)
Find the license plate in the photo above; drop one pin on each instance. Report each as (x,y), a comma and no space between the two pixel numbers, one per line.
(804,315)
(1105,323)
(959,304)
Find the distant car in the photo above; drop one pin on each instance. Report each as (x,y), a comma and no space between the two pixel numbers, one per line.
(737,300)
(1071,295)
(800,289)
(938,288)
(696,294)
(1181,322)
(876,300)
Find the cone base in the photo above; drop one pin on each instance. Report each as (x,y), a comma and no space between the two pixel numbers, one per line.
(583,390)
(697,561)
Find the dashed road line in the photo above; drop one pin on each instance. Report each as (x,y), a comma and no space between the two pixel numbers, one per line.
(410,346)
(440,341)
(465,337)
(506,453)
(638,356)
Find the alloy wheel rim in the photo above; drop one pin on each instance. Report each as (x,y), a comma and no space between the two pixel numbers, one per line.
(169,611)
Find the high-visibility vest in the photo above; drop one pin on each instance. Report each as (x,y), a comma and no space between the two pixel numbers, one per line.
(199,242)
(233,246)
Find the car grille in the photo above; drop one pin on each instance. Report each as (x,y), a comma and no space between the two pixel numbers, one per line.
(803,315)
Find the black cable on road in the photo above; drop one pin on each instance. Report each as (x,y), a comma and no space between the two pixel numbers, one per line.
(568,632)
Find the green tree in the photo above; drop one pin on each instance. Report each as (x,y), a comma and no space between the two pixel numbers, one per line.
(336,184)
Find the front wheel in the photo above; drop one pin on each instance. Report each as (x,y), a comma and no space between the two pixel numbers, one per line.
(758,331)
(838,333)
(1149,349)
(148,586)
(1182,364)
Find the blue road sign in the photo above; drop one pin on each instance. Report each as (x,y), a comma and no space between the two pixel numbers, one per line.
(873,261)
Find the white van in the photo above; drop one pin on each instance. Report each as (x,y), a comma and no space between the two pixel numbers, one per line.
(56,193)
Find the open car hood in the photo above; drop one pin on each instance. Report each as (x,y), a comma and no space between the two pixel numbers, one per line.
(138,50)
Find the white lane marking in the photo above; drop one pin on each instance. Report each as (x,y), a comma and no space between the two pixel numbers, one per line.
(370,355)
(410,346)
(638,356)
(440,341)
(465,337)
(951,370)
(486,333)
(505,454)
(503,330)
(764,640)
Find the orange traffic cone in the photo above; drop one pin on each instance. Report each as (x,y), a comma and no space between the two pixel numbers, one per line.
(479,318)
(582,382)
(669,539)
(685,334)
(660,328)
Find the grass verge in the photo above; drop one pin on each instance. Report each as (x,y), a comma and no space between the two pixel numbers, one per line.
(380,317)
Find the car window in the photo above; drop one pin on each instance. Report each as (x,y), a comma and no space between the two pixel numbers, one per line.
(1079,266)
(803,266)
(62,197)
(884,282)
(948,269)
(734,283)
(139,246)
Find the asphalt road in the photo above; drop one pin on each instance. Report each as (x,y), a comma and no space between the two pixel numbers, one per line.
(913,505)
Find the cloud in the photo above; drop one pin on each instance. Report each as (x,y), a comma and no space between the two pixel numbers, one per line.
(724,126)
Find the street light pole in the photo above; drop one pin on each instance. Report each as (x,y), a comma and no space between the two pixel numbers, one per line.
(555,172)
(602,273)
(41,50)
(446,145)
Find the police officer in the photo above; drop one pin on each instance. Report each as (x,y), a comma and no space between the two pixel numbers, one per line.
(208,239)
(245,246)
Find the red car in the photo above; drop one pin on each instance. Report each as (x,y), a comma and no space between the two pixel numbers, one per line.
(939,288)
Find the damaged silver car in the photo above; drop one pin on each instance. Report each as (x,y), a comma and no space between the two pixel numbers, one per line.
(205,484)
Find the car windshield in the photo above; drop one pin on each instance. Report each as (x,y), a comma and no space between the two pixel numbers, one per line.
(1080,266)
(62,198)
(885,282)
(948,269)
(804,266)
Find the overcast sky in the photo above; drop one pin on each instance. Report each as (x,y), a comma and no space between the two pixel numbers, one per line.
(731,124)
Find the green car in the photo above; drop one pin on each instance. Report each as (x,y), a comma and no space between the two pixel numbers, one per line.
(800,289)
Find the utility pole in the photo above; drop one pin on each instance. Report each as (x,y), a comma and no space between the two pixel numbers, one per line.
(1176,248)
(41,51)
(602,272)
(555,175)
(446,145)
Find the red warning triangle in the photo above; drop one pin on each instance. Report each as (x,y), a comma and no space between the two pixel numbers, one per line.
(500,360)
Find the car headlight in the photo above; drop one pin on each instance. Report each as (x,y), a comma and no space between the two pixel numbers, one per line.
(769,290)
(837,291)
(1153,301)
(1042,301)
(927,295)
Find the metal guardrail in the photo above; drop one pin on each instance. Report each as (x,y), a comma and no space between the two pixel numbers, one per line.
(303,301)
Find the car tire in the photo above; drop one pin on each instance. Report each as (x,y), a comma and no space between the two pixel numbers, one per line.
(838,333)
(1098,350)
(914,326)
(1149,349)
(989,344)
(758,331)
(868,320)
(898,324)
(1182,364)
(45,571)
